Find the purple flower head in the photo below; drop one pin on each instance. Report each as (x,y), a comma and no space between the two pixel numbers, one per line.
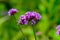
(23,20)
(28,15)
(38,17)
(12,11)
(33,15)
(58,32)
(33,22)
(23,17)
(58,27)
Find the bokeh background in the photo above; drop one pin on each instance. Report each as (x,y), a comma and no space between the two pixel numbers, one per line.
(48,9)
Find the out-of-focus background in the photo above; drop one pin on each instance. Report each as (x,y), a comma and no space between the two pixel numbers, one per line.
(48,9)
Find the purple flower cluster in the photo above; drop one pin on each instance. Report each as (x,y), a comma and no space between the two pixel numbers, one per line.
(12,11)
(29,16)
(33,15)
(58,30)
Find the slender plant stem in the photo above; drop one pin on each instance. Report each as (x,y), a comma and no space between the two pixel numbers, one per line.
(15,18)
(22,32)
(21,29)
(34,32)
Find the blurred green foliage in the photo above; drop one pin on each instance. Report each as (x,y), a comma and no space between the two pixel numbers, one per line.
(49,10)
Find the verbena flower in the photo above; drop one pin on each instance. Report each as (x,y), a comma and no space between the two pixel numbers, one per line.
(58,30)
(58,27)
(23,20)
(29,17)
(33,17)
(12,11)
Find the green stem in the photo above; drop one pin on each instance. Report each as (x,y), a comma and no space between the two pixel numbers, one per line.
(34,32)
(23,33)
(14,17)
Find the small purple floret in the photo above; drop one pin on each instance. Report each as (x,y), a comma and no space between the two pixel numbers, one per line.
(23,17)
(38,16)
(58,27)
(58,32)
(23,20)
(28,15)
(12,11)
(33,22)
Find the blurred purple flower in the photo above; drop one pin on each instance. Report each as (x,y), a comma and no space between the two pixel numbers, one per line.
(58,27)
(38,17)
(38,33)
(33,22)
(23,20)
(29,16)
(58,32)
(32,16)
(12,11)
